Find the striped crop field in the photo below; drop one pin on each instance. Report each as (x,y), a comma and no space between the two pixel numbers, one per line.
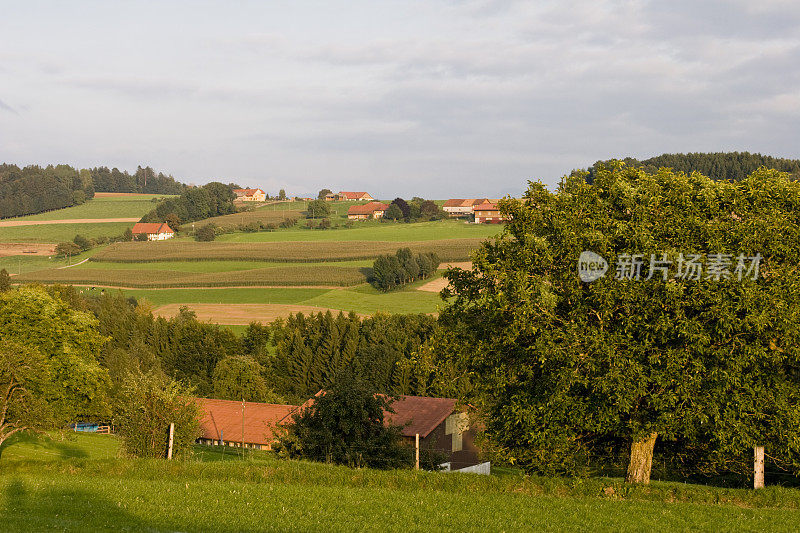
(289,252)
(288,276)
(262,214)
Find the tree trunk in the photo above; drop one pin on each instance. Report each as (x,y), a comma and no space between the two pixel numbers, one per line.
(641,460)
(758,467)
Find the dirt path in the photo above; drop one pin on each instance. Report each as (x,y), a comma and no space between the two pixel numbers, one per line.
(440,283)
(241,314)
(73,265)
(21,248)
(13,223)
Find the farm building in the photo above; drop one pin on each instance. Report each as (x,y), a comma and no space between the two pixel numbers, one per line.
(233,422)
(155,231)
(366,211)
(250,195)
(441,426)
(462,207)
(488,213)
(354,196)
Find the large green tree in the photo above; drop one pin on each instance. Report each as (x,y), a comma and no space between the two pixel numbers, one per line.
(568,370)
(24,375)
(71,344)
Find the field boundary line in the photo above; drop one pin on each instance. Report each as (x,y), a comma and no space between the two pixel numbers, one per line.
(74,265)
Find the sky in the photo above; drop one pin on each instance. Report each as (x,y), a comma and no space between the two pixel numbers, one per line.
(434,98)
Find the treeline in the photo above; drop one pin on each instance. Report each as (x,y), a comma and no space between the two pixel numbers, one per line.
(285,361)
(34,189)
(210,200)
(417,210)
(392,271)
(728,166)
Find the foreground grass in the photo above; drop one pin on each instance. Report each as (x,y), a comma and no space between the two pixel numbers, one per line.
(278,495)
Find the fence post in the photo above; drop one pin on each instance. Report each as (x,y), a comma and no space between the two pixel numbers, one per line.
(758,467)
(417,452)
(171,433)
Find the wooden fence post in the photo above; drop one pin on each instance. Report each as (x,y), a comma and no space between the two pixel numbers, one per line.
(758,467)
(417,452)
(171,434)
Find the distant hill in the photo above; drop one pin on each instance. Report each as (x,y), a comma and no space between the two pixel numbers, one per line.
(730,166)
(34,189)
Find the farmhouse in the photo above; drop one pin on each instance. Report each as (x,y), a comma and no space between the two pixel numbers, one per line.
(369,210)
(488,213)
(250,195)
(354,196)
(155,231)
(230,423)
(462,207)
(440,426)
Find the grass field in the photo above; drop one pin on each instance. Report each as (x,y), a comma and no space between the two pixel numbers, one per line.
(295,275)
(107,207)
(290,252)
(375,231)
(56,233)
(82,487)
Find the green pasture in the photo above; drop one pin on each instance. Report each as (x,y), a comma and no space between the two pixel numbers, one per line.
(371,230)
(108,207)
(83,486)
(213,266)
(289,295)
(55,233)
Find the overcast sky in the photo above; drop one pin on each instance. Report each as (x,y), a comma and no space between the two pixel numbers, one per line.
(431,98)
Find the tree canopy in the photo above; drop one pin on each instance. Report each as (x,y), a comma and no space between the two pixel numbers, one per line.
(568,370)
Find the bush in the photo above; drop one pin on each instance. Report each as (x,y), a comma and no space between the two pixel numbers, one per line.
(147,404)
(206,233)
(288,223)
(82,242)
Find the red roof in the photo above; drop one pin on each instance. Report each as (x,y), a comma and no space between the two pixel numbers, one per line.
(353,195)
(487,206)
(246,192)
(367,209)
(454,202)
(422,414)
(223,419)
(151,228)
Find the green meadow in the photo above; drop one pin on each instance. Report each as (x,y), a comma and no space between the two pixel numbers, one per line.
(55,233)
(105,207)
(79,483)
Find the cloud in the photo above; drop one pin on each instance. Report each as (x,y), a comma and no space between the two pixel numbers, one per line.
(5,107)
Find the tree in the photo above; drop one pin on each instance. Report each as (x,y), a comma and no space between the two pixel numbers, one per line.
(318,209)
(173,221)
(568,370)
(23,375)
(5,280)
(282,195)
(67,249)
(206,232)
(127,235)
(69,342)
(393,213)
(404,207)
(323,193)
(82,242)
(345,425)
(428,209)
(148,404)
(240,378)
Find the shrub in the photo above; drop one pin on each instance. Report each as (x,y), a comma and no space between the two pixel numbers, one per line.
(148,403)
(206,233)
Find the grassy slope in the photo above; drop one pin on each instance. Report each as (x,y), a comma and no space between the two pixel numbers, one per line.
(262,493)
(110,207)
(56,233)
(375,231)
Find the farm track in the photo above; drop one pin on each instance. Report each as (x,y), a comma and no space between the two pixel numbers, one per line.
(16,223)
